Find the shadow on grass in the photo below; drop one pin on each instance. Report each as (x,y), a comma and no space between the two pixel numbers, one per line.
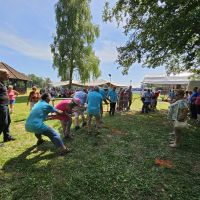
(20,120)
(22,161)
(120,166)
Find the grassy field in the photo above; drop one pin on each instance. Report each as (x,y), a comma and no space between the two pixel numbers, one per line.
(118,164)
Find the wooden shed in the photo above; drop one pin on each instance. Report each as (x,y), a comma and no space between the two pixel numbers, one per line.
(17,79)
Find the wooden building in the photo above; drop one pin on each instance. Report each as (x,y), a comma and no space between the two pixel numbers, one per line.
(17,79)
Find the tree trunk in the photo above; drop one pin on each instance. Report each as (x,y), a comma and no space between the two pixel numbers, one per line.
(70,77)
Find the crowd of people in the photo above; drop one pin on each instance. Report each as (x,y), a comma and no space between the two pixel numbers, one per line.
(89,101)
(149,99)
(81,101)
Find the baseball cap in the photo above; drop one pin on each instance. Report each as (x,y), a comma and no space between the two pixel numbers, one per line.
(76,101)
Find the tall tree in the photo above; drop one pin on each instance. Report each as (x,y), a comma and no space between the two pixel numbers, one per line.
(161,33)
(72,46)
(38,81)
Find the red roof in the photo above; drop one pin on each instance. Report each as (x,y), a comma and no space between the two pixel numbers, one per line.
(14,74)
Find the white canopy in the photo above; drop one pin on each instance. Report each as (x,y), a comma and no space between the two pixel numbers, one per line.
(180,79)
(99,82)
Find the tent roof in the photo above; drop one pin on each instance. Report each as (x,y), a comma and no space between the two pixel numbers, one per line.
(65,83)
(14,74)
(180,79)
(99,82)
(193,84)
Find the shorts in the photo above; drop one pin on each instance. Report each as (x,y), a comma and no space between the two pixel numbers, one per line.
(12,101)
(80,112)
(96,115)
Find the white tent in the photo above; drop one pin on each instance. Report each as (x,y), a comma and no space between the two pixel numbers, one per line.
(65,83)
(99,82)
(180,79)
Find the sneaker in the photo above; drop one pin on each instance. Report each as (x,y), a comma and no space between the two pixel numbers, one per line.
(77,127)
(7,139)
(64,152)
(39,142)
(174,145)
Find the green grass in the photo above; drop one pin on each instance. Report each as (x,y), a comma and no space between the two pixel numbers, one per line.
(117,164)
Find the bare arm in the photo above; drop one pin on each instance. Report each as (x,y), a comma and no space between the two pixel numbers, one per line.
(16,93)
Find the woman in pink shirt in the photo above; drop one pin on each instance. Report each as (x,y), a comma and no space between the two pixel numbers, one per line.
(68,106)
(12,95)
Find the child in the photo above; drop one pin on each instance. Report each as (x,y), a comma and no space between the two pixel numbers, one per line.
(35,123)
(12,95)
(33,97)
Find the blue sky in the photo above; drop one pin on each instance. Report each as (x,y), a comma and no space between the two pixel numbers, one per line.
(26,29)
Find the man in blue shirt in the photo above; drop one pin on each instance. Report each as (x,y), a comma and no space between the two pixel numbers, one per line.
(35,123)
(94,105)
(171,95)
(112,95)
(147,101)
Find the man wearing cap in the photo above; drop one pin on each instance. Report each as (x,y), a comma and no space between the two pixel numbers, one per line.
(4,110)
(82,95)
(67,106)
(35,123)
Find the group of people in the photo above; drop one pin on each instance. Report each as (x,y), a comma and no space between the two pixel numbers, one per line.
(149,100)
(91,102)
(81,101)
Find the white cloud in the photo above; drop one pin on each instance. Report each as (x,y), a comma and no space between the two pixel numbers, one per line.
(108,52)
(24,47)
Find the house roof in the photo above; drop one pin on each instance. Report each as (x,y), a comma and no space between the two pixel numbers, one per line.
(14,74)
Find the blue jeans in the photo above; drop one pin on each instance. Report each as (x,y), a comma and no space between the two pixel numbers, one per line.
(52,135)
(145,107)
(4,121)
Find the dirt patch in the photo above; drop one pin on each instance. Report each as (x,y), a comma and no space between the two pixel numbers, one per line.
(114,131)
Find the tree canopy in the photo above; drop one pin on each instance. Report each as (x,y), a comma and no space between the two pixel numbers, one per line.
(160,33)
(39,81)
(72,47)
